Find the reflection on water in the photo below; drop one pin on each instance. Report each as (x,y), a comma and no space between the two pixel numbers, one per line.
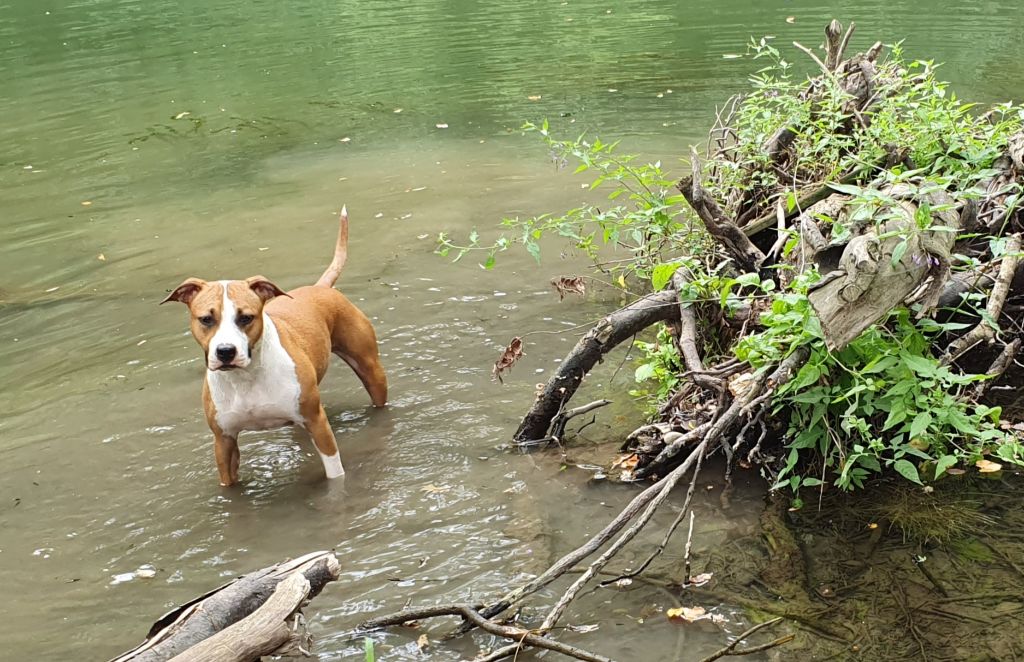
(148,141)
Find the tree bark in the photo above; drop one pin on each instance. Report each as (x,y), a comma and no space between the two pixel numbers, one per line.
(872,278)
(609,332)
(261,633)
(191,623)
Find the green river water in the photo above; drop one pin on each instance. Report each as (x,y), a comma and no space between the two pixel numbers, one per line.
(144,142)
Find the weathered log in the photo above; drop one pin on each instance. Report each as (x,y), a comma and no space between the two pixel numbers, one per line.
(606,334)
(189,624)
(262,632)
(748,256)
(872,279)
(984,332)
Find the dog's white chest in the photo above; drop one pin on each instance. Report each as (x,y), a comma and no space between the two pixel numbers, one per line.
(265,395)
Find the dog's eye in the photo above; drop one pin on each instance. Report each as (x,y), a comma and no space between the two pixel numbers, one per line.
(244,320)
(207,320)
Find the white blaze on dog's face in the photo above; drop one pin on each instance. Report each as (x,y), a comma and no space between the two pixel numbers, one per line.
(227,317)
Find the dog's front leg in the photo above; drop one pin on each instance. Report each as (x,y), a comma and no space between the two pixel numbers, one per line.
(225,449)
(323,437)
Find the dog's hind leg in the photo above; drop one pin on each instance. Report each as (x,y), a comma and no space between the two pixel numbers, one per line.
(355,342)
(371,374)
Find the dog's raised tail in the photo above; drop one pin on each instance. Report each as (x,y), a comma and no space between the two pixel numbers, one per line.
(330,275)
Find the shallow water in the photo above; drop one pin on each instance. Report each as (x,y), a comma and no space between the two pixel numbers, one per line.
(291,111)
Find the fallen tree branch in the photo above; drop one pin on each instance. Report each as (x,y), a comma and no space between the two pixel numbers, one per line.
(606,334)
(664,487)
(562,418)
(261,633)
(873,277)
(984,331)
(736,243)
(472,615)
(998,367)
(191,623)
(804,201)
(732,650)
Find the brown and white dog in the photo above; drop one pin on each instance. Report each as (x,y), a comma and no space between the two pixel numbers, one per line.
(267,351)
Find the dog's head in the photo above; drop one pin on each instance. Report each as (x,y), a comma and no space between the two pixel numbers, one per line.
(227,317)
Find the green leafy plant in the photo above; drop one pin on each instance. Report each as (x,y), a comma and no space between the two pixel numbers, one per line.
(881,402)
(644,215)
(884,403)
(659,365)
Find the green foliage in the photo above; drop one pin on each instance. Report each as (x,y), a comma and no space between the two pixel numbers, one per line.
(644,215)
(882,404)
(659,365)
(950,142)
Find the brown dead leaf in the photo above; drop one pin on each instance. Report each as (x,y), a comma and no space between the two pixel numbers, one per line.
(741,383)
(423,643)
(988,466)
(628,461)
(569,285)
(508,358)
(688,614)
(919,444)
(693,614)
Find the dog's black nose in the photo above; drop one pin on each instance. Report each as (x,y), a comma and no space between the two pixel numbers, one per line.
(226,353)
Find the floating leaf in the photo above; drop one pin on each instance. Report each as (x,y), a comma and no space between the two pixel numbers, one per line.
(423,642)
(628,461)
(569,285)
(441,125)
(435,489)
(791,19)
(183,113)
(534,97)
(692,614)
(508,357)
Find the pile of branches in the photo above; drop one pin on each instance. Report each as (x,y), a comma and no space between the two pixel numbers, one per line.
(860,225)
(870,219)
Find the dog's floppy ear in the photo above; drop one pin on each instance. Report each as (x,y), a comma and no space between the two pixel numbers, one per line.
(186,291)
(264,288)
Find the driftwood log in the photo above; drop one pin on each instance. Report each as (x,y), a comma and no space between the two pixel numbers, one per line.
(872,278)
(254,615)
(591,348)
